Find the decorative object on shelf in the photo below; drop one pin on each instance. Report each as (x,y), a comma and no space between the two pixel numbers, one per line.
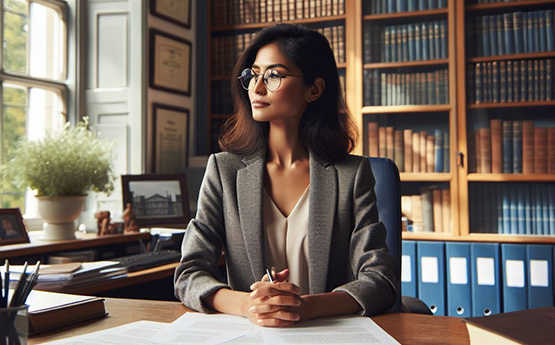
(157,199)
(170,138)
(175,11)
(105,226)
(12,228)
(129,220)
(170,58)
(62,168)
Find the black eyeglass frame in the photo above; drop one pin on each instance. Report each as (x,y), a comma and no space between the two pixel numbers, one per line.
(265,79)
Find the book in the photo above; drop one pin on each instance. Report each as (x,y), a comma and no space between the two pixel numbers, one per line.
(50,310)
(531,326)
(496,126)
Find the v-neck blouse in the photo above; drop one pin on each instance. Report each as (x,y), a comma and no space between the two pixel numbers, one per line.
(286,239)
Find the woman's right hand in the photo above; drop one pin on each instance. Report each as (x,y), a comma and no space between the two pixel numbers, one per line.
(270,304)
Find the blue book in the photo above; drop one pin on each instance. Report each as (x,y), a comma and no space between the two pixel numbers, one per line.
(536,30)
(486,288)
(539,211)
(422,4)
(499,208)
(409,276)
(515,294)
(443,38)
(437,40)
(412,42)
(391,6)
(551,197)
(394,43)
(417,42)
(517,147)
(518,32)
(529,29)
(541,17)
(528,226)
(442,4)
(425,41)
(402,5)
(549,27)
(508,30)
(438,150)
(546,211)
(493,35)
(540,275)
(501,49)
(507,147)
(513,195)
(446,159)
(459,298)
(431,269)
(486,45)
(521,210)
(506,209)
(412,5)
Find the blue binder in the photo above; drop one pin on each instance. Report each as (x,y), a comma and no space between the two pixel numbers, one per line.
(486,288)
(540,275)
(459,301)
(514,277)
(431,274)
(409,277)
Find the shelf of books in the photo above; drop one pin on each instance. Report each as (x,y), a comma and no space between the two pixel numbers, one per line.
(506,120)
(234,23)
(407,107)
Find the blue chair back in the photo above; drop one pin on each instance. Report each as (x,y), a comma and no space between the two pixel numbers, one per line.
(388,194)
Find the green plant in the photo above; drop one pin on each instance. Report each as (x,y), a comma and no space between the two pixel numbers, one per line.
(70,162)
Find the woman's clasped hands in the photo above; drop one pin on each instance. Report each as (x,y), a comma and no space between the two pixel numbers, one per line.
(275,304)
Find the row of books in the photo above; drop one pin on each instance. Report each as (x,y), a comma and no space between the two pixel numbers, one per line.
(512,209)
(239,12)
(405,42)
(392,6)
(429,211)
(404,88)
(513,33)
(511,81)
(226,50)
(412,151)
(512,147)
(478,279)
(473,2)
(336,37)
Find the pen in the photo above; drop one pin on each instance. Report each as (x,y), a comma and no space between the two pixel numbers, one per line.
(269,276)
(19,287)
(6,282)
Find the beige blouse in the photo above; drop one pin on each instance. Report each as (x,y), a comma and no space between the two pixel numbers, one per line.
(286,239)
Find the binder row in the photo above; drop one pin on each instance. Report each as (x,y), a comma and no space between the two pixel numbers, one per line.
(477,279)
(512,209)
(392,6)
(512,147)
(406,42)
(429,211)
(511,81)
(513,33)
(404,88)
(415,152)
(239,12)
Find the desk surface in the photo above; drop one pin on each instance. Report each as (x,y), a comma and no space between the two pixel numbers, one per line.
(406,328)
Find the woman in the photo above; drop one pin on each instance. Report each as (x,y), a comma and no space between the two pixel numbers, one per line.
(286,193)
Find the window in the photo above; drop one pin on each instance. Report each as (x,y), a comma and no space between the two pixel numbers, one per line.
(33,73)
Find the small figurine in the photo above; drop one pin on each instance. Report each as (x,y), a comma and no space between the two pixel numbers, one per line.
(129,220)
(102,222)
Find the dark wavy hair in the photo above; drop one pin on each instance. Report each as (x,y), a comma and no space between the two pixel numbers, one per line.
(325,127)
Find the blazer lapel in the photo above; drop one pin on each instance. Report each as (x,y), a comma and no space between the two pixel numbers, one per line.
(322,208)
(250,181)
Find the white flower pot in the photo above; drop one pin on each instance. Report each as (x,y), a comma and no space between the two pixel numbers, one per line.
(59,214)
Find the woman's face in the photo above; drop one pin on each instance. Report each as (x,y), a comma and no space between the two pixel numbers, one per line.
(289,100)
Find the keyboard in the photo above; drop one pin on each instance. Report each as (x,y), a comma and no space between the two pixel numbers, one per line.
(143,261)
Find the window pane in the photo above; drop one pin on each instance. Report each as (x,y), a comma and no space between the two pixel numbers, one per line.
(15,30)
(46,43)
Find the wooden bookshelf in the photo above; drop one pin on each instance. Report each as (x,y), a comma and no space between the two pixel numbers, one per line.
(540,55)
(425,177)
(505,5)
(433,13)
(511,104)
(511,177)
(382,65)
(258,26)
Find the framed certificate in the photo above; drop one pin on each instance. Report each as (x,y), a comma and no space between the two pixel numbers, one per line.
(175,11)
(170,63)
(170,138)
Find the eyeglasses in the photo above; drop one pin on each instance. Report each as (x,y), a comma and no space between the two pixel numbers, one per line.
(272,79)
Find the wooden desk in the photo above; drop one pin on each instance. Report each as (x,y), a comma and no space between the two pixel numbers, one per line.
(406,328)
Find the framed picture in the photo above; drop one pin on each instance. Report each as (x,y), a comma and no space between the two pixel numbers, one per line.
(170,138)
(170,63)
(12,228)
(157,199)
(175,11)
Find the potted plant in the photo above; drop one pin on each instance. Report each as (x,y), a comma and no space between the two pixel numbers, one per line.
(62,168)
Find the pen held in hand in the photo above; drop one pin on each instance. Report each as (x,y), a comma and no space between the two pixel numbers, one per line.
(270,278)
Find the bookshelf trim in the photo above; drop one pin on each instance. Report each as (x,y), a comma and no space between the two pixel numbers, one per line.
(412,14)
(376,65)
(473,177)
(406,109)
(504,5)
(511,104)
(265,24)
(539,55)
(425,177)
(476,237)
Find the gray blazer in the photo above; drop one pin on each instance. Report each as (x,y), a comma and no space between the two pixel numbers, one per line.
(346,242)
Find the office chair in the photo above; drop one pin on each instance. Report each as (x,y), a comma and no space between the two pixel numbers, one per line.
(388,194)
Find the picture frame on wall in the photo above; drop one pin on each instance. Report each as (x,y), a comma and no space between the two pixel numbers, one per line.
(157,199)
(170,138)
(12,228)
(175,11)
(170,63)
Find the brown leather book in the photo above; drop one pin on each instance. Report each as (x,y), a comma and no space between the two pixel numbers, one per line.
(423,138)
(531,326)
(373,141)
(389,143)
(527,147)
(416,152)
(430,153)
(398,150)
(382,142)
(476,151)
(407,138)
(496,126)
(540,150)
(551,150)
(485,150)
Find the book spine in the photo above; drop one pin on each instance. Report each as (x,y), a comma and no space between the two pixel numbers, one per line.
(551,152)
(540,150)
(408,154)
(430,153)
(389,142)
(496,126)
(416,152)
(373,135)
(423,151)
(382,142)
(517,147)
(438,150)
(528,147)
(437,211)
(446,210)
(427,210)
(398,150)
(507,147)
(485,150)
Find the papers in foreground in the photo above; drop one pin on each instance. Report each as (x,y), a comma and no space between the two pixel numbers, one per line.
(202,329)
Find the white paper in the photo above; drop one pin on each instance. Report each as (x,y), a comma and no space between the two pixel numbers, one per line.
(429,269)
(485,271)
(135,333)
(196,328)
(353,330)
(406,275)
(458,273)
(514,271)
(539,274)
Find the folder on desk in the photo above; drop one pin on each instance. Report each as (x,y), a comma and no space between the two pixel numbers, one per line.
(459,301)
(431,283)
(513,258)
(486,288)
(540,275)
(409,277)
